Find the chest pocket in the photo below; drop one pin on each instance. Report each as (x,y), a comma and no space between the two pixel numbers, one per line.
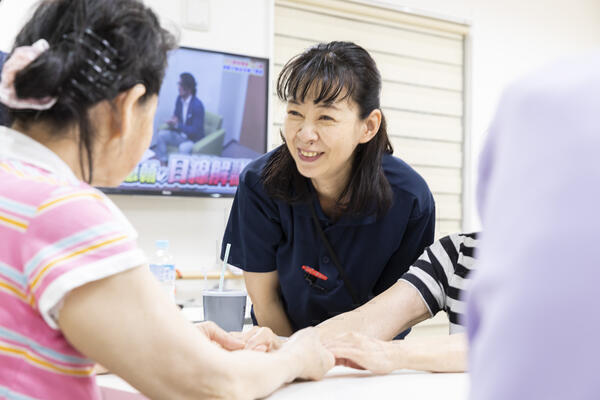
(334,258)
(320,281)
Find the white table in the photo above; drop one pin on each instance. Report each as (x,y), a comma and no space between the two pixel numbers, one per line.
(342,383)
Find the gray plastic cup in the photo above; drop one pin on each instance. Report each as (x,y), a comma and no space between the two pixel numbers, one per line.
(226,308)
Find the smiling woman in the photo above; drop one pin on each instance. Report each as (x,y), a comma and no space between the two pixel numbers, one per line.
(332,198)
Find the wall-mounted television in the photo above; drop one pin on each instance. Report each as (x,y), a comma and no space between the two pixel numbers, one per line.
(211,121)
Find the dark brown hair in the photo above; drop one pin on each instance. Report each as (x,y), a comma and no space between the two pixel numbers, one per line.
(81,33)
(335,71)
(187,81)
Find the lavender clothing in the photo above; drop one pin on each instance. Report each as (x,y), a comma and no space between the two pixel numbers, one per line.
(531,316)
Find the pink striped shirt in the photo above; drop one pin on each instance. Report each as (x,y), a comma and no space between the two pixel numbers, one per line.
(56,234)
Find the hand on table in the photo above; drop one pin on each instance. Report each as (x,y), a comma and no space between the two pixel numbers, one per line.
(313,357)
(361,352)
(259,339)
(219,336)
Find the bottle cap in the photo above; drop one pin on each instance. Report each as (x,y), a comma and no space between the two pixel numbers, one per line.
(162,244)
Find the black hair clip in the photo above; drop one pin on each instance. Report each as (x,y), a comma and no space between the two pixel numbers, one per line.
(99,69)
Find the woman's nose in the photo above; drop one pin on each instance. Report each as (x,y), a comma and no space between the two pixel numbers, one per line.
(307,133)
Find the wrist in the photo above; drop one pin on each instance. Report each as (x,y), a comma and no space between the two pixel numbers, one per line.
(291,361)
(400,352)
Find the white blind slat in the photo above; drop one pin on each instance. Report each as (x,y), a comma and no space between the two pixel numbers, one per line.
(301,24)
(404,97)
(428,153)
(393,68)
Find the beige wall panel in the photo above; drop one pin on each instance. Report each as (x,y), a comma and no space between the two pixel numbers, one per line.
(392,67)
(448,206)
(319,27)
(423,126)
(446,227)
(428,153)
(380,14)
(417,72)
(442,180)
(412,98)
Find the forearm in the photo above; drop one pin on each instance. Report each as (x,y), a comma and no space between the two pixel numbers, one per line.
(435,354)
(256,374)
(217,374)
(139,334)
(386,315)
(358,321)
(272,315)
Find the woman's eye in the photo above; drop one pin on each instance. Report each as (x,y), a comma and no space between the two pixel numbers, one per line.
(294,113)
(326,118)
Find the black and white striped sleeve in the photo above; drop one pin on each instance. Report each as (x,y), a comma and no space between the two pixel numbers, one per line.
(440,275)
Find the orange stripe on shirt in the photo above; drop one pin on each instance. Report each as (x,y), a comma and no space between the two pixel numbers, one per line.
(15,291)
(13,222)
(4,348)
(27,298)
(68,197)
(39,275)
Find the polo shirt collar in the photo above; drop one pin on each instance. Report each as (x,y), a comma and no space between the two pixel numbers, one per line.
(17,146)
(304,209)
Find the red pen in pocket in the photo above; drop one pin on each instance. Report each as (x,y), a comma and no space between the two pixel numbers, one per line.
(314,272)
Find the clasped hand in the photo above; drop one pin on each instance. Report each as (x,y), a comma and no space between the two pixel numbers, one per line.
(256,338)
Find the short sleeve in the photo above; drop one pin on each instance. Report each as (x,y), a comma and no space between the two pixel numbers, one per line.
(432,273)
(254,228)
(418,234)
(77,236)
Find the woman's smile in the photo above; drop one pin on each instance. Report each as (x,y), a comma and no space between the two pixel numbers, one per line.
(309,156)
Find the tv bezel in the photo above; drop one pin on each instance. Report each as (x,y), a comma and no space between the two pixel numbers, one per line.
(184,193)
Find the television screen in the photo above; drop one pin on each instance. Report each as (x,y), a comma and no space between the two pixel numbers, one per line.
(211,121)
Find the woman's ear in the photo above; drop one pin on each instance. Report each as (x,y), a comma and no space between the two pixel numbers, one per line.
(125,103)
(371,124)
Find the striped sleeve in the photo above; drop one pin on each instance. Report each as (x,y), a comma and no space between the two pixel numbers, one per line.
(441,274)
(77,236)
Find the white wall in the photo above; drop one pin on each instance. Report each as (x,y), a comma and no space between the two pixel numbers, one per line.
(509,38)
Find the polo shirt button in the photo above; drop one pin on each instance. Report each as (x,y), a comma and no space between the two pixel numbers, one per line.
(325,260)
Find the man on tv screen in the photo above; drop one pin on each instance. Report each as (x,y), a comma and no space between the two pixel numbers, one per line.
(186,126)
(200,147)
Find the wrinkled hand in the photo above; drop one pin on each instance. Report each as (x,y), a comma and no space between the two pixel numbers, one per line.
(259,339)
(314,359)
(219,336)
(361,352)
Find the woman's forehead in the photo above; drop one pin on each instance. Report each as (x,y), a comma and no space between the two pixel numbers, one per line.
(326,90)
(339,105)
(321,94)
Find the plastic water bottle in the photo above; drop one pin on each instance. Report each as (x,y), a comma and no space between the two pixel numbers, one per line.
(163,267)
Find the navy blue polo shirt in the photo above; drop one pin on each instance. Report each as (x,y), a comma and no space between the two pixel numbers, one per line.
(271,235)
